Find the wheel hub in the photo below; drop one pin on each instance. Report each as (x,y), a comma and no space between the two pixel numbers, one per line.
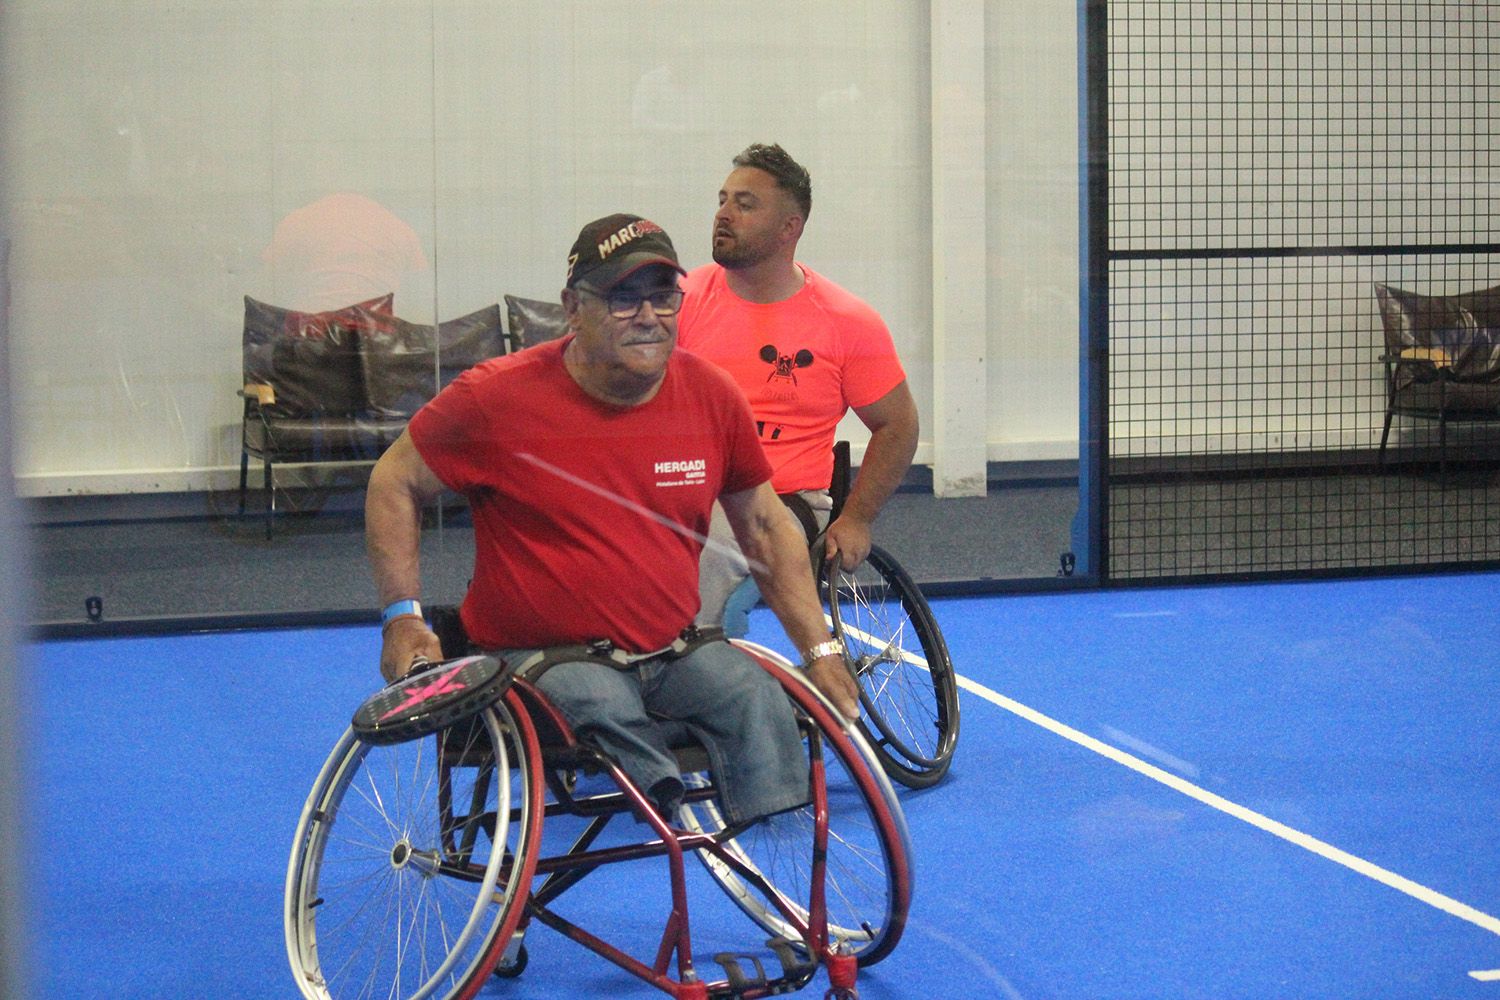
(404,855)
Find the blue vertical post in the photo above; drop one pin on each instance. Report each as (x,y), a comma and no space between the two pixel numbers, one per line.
(1090,525)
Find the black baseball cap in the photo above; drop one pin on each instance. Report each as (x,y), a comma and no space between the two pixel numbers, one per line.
(611,249)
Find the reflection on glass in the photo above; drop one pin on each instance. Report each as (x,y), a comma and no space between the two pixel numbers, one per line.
(318,163)
(341,249)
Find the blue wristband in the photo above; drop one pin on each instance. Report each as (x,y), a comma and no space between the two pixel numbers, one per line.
(397,608)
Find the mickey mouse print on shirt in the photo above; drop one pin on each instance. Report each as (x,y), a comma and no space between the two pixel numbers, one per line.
(783,366)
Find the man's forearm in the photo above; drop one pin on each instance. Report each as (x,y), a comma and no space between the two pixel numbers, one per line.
(774,546)
(886,459)
(779,562)
(393,543)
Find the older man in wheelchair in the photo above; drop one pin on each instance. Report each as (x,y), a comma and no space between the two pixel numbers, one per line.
(591,465)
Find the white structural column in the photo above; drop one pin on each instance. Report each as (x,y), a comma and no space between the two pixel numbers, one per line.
(13,616)
(959,262)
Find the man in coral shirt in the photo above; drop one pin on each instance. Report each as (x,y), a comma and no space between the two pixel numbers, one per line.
(805,351)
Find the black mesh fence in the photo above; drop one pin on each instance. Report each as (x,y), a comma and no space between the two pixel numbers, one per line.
(1269,166)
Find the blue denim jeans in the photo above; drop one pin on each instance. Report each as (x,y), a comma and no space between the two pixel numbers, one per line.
(727,702)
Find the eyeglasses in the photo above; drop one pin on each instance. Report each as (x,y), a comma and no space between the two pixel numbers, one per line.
(626,305)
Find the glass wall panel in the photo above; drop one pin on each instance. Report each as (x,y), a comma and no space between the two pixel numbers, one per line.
(334,201)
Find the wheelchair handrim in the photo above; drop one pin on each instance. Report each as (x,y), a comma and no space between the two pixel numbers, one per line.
(891,746)
(340,769)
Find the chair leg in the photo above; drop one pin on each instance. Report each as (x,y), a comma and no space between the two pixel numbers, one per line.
(270,500)
(1384,435)
(244,475)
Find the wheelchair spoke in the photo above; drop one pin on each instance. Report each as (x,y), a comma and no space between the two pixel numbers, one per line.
(898,697)
(908,695)
(367,936)
(771,871)
(377,904)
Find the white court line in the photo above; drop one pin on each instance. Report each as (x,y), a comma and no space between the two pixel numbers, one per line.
(1368,869)
(1400,883)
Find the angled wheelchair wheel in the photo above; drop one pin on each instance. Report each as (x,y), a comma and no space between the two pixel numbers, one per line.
(907,690)
(412,860)
(767,867)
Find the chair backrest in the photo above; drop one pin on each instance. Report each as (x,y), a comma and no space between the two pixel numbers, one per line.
(1464,327)
(310,359)
(406,365)
(838,487)
(361,360)
(533,321)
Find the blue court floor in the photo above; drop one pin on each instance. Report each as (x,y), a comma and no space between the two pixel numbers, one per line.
(1272,791)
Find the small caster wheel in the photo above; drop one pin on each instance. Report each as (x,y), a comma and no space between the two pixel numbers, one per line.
(509,967)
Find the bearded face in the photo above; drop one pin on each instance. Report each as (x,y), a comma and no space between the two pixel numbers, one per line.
(751,225)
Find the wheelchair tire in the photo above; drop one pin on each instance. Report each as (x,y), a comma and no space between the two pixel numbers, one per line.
(907,689)
(868,879)
(412,861)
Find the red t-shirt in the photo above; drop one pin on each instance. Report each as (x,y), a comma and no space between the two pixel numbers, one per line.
(588,518)
(802,363)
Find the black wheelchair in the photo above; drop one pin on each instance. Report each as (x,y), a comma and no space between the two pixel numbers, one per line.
(895,649)
(422,854)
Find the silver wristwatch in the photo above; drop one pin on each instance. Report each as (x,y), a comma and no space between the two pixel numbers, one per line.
(832,647)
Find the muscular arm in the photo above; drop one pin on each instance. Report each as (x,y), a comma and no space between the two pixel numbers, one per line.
(400,485)
(776,549)
(892,420)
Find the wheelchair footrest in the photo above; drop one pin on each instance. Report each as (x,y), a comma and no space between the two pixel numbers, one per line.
(794,965)
(745,972)
(739,979)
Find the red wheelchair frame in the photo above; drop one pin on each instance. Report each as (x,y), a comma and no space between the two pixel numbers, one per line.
(831,916)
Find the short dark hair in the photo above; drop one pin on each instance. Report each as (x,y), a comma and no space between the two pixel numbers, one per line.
(791,176)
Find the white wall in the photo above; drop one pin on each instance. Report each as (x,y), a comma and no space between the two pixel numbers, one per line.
(1032,133)
(141,194)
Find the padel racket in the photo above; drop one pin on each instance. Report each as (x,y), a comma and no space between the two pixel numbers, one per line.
(431,698)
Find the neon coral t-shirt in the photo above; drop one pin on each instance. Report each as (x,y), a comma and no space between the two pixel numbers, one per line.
(588,518)
(802,363)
